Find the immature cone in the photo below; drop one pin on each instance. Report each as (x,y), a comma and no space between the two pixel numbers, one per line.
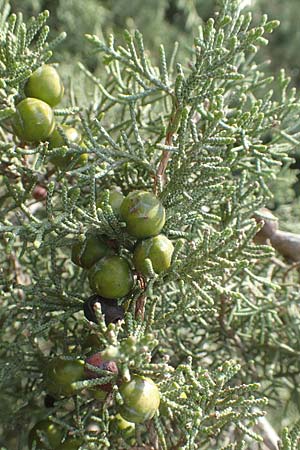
(110,308)
(56,140)
(111,277)
(72,134)
(52,432)
(86,254)
(159,249)
(123,427)
(45,84)
(141,399)
(70,444)
(115,200)
(143,213)
(33,120)
(60,376)
(98,361)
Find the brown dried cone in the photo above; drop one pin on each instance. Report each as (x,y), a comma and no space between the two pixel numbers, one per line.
(109,307)
(49,401)
(39,193)
(99,362)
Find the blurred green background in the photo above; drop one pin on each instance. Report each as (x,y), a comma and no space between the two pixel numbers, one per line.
(161,20)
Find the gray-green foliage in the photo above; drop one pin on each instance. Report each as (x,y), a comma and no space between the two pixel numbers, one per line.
(225,317)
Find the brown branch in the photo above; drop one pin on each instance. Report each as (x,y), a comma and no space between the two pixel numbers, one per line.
(20,277)
(145,447)
(296,265)
(152,435)
(171,130)
(180,443)
(269,435)
(141,301)
(230,332)
(285,243)
(164,161)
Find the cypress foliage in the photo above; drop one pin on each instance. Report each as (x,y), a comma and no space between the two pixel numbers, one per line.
(218,331)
